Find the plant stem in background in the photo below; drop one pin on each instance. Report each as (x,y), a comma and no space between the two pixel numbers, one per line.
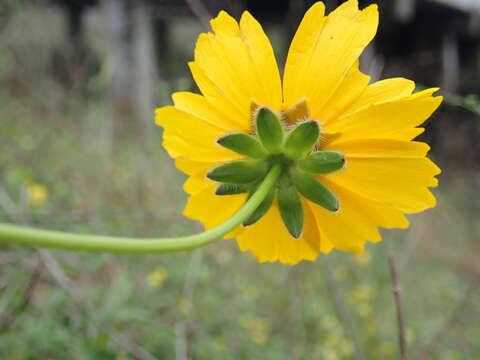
(397,292)
(469,102)
(55,239)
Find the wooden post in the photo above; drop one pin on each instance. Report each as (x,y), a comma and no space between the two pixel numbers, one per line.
(117,69)
(404,10)
(144,67)
(450,60)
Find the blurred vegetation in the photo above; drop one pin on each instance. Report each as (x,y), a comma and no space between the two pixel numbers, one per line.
(60,170)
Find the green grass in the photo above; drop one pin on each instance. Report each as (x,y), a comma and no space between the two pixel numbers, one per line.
(212,303)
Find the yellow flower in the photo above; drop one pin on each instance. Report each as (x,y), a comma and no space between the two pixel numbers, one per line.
(385,174)
(37,194)
(157,277)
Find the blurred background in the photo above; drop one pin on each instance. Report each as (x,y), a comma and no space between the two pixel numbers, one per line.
(79,80)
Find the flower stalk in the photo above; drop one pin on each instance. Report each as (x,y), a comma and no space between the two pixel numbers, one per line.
(54,239)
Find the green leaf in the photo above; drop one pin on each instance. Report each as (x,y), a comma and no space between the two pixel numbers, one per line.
(261,210)
(238,172)
(243,144)
(314,190)
(322,162)
(270,130)
(231,189)
(291,210)
(302,140)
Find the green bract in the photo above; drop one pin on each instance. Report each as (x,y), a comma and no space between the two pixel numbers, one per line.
(291,209)
(302,140)
(262,208)
(296,149)
(314,190)
(322,162)
(239,172)
(231,189)
(270,130)
(243,144)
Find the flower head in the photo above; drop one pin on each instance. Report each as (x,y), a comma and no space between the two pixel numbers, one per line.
(349,164)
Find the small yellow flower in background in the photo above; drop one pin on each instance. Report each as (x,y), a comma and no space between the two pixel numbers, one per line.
(410,335)
(157,277)
(37,194)
(349,165)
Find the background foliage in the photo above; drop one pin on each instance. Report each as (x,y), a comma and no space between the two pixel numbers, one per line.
(70,160)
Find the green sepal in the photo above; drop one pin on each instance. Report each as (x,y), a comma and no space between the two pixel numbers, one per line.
(314,190)
(322,162)
(270,130)
(239,171)
(231,189)
(291,210)
(243,144)
(301,141)
(262,208)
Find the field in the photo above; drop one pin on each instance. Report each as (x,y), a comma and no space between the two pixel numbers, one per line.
(64,166)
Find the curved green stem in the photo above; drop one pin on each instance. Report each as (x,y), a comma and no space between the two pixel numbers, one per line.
(55,239)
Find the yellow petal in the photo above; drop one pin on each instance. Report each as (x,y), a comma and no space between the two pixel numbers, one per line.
(188,136)
(269,240)
(397,182)
(375,213)
(357,220)
(199,106)
(194,185)
(324,50)
(381,148)
(178,147)
(382,91)
(300,53)
(406,134)
(217,98)
(212,58)
(197,171)
(237,64)
(386,120)
(211,209)
(195,168)
(263,57)
(348,92)
(225,24)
